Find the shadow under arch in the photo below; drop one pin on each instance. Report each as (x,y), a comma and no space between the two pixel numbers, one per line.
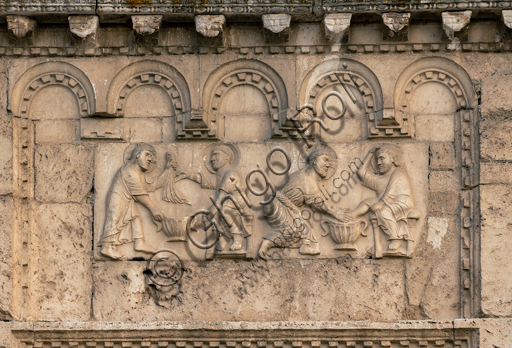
(47,74)
(245,72)
(434,69)
(149,73)
(361,88)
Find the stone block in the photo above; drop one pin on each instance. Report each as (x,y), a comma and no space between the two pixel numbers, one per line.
(103,128)
(5,334)
(496,89)
(442,156)
(6,211)
(256,291)
(62,131)
(435,128)
(145,129)
(5,164)
(496,219)
(494,333)
(495,173)
(443,180)
(495,141)
(64,173)
(61,267)
(443,202)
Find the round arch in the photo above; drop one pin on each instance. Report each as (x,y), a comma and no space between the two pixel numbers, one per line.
(148,73)
(246,72)
(50,74)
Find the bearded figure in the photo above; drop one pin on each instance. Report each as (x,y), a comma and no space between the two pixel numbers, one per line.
(123,222)
(288,229)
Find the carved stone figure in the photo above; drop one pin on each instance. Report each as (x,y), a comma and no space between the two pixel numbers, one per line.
(336,26)
(227,197)
(210,26)
(392,209)
(397,26)
(288,229)
(130,185)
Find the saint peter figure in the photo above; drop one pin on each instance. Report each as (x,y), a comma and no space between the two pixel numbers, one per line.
(123,223)
(394,201)
(283,214)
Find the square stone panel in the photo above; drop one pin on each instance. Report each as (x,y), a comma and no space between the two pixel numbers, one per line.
(64,173)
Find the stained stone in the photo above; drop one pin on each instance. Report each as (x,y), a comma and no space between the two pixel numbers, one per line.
(249,174)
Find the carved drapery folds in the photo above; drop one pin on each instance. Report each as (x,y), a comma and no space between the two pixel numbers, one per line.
(237,73)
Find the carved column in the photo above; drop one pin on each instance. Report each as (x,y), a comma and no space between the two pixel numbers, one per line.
(21,29)
(277,27)
(211,29)
(396,26)
(336,27)
(84,29)
(456,25)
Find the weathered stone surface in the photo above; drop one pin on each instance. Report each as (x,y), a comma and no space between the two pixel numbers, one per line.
(495,140)
(455,25)
(496,211)
(397,25)
(146,24)
(210,26)
(442,156)
(83,26)
(5,334)
(20,26)
(336,26)
(256,291)
(64,173)
(435,128)
(62,251)
(60,131)
(495,173)
(443,180)
(6,265)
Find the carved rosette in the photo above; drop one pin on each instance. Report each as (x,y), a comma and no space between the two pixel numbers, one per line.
(150,79)
(62,79)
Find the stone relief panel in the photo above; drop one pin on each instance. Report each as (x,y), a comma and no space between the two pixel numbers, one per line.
(318,202)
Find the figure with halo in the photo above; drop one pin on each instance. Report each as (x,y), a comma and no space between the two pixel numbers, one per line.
(131,185)
(224,182)
(392,209)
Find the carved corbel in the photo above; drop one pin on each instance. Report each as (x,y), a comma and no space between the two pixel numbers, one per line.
(396,26)
(146,28)
(506,16)
(277,27)
(456,25)
(211,29)
(336,27)
(84,28)
(21,28)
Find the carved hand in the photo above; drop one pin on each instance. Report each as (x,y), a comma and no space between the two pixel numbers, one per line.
(157,214)
(182,175)
(377,206)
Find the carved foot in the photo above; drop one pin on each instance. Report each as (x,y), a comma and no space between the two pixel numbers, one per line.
(306,249)
(108,250)
(395,245)
(141,246)
(237,243)
(264,248)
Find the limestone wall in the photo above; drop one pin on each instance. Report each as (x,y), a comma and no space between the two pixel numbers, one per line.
(389,215)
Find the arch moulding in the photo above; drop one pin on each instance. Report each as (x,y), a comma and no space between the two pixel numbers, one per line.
(233,74)
(51,74)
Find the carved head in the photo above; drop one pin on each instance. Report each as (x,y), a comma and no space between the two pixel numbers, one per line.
(319,160)
(396,21)
(221,156)
(173,158)
(388,157)
(145,155)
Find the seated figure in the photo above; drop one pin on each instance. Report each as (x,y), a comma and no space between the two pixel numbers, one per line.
(393,206)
